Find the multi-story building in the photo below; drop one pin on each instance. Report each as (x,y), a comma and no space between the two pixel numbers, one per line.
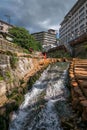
(4,26)
(47,39)
(75,23)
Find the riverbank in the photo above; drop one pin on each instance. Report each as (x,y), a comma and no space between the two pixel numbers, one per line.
(26,70)
(38,110)
(77,76)
(78,88)
(12,96)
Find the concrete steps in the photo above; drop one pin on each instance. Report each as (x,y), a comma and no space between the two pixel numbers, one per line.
(78,82)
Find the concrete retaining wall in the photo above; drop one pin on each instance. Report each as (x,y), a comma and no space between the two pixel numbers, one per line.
(8,46)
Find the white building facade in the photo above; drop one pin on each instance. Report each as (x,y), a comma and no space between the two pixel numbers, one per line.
(47,39)
(4,26)
(74,23)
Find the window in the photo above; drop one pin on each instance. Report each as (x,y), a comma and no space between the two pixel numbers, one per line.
(76,32)
(1,28)
(81,9)
(76,14)
(86,11)
(81,20)
(82,28)
(81,16)
(76,24)
(76,19)
(1,23)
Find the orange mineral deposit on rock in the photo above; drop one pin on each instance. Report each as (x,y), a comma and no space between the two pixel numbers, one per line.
(71,75)
(74,83)
(41,62)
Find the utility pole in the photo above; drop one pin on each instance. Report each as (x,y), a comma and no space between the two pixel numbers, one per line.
(8,18)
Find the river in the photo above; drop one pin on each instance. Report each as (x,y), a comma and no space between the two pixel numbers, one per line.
(45,103)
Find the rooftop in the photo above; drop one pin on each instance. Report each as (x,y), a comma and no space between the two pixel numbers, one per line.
(6,23)
(44,32)
(73,10)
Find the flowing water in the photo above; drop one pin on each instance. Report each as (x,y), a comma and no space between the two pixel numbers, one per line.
(39,111)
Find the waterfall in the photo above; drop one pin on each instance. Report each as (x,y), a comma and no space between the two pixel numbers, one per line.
(38,111)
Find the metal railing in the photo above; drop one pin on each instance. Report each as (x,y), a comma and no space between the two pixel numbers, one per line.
(79,39)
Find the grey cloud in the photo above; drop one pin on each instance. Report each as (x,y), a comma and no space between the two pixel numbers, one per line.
(36,15)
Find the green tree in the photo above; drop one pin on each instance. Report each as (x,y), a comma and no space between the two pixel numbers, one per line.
(22,37)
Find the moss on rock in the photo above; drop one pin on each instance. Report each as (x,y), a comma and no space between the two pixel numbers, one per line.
(15,98)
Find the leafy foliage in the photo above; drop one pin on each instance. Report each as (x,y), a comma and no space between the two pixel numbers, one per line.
(59,54)
(13,61)
(22,37)
(1,78)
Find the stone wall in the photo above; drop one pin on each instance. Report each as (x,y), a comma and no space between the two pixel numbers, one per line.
(15,73)
(12,72)
(8,46)
(78,83)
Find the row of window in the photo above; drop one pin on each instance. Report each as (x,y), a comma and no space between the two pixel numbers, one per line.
(68,39)
(81,28)
(71,27)
(81,17)
(72,35)
(81,9)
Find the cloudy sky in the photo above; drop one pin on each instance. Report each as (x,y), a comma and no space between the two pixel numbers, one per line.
(35,15)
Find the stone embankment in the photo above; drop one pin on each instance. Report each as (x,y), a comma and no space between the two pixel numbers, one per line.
(78,83)
(15,79)
(15,73)
(9,46)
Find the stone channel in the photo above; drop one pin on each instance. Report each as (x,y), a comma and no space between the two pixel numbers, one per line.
(46,103)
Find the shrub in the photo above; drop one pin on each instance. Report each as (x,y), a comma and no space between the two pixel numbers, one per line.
(24,39)
(85,47)
(1,78)
(13,62)
(8,74)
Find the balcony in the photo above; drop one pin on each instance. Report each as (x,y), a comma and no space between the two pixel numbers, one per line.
(82,38)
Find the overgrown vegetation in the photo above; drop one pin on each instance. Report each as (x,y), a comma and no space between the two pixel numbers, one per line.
(85,47)
(81,51)
(22,38)
(59,54)
(33,79)
(8,74)
(13,61)
(15,100)
(16,97)
(1,77)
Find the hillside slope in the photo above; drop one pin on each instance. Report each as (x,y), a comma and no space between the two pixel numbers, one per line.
(80,51)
